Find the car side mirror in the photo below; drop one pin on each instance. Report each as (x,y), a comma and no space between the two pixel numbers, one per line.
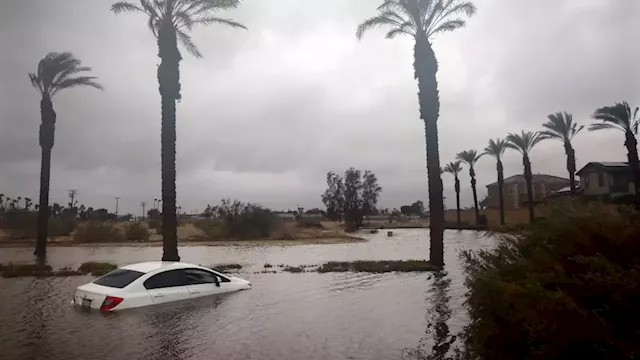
(217,281)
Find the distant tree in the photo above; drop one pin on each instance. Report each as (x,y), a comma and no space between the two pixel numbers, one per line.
(353,196)
(315,211)
(333,197)
(102,215)
(454,168)
(523,143)
(418,208)
(406,210)
(470,157)
(153,213)
(55,73)
(496,148)
(422,20)
(621,117)
(170,21)
(560,126)
(370,194)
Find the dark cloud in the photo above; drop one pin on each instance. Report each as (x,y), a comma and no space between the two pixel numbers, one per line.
(267,112)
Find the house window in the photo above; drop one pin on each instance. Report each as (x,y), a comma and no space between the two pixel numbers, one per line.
(600,179)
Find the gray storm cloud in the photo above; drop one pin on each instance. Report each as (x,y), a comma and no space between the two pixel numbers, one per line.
(267,112)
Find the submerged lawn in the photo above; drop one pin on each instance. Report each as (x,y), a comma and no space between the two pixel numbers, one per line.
(381,266)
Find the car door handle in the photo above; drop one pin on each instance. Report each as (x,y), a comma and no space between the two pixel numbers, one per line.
(158,295)
(195,291)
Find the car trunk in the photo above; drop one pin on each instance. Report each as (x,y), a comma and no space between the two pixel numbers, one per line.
(92,295)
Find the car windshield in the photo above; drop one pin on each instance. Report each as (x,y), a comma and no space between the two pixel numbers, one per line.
(118,278)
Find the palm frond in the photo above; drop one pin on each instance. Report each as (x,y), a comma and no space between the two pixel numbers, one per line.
(77,81)
(525,141)
(454,167)
(469,157)
(603,126)
(619,115)
(124,6)
(439,23)
(374,22)
(188,44)
(216,20)
(496,148)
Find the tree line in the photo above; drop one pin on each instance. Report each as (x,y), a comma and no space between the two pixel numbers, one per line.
(351,197)
(561,127)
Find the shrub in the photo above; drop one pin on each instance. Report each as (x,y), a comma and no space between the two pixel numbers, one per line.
(314,223)
(62,225)
(136,232)
(97,268)
(381,266)
(98,232)
(212,228)
(155,223)
(226,267)
(565,287)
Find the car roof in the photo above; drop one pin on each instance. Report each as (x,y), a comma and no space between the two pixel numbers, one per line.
(149,266)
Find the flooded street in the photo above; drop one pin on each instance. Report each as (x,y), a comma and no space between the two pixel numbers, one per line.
(284,316)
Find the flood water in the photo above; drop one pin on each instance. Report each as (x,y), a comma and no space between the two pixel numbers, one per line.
(284,316)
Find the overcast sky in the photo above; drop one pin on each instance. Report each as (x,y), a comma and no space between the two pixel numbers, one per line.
(269,111)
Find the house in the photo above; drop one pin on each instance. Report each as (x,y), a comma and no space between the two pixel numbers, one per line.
(607,179)
(515,190)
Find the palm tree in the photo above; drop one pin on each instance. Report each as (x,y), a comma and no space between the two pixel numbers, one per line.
(423,19)
(496,148)
(470,157)
(524,143)
(560,126)
(454,168)
(170,21)
(620,117)
(55,73)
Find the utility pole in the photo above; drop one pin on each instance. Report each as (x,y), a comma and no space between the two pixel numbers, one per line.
(117,201)
(72,196)
(143,204)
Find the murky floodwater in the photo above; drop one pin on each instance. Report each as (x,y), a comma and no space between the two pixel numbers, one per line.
(284,316)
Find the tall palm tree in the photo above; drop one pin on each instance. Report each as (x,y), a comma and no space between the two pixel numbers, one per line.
(524,143)
(170,21)
(454,168)
(496,148)
(423,19)
(56,72)
(560,126)
(620,117)
(470,157)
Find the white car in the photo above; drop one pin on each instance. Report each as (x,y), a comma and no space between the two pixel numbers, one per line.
(151,283)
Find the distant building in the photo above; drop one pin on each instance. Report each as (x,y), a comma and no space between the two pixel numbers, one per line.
(286,215)
(607,179)
(515,190)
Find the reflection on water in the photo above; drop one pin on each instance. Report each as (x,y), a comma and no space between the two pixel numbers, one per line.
(437,342)
(284,316)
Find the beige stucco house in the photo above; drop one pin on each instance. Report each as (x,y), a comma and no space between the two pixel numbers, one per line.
(606,179)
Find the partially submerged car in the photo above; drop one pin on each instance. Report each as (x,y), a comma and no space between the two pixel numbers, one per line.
(151,283)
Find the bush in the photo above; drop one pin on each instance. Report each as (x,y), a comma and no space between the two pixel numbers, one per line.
(136,232)
(380,266)
(566,287)
(242,221)
(97,268)
(212,228)
(62,225)
(314,223)
(98,232)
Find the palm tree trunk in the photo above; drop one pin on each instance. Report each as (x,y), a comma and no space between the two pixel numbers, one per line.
(472,174)
(46,137)
(571,166)
(426,67)
(632,156)
(500,190)
(169,81)
(457,186)
(528,176)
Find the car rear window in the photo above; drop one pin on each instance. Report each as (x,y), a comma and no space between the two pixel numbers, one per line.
(118,278)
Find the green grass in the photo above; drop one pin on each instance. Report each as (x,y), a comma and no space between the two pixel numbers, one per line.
(97,268)
(382,266)
(226,267)
(294,269)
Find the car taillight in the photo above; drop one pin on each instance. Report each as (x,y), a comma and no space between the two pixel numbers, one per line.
(110,302)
